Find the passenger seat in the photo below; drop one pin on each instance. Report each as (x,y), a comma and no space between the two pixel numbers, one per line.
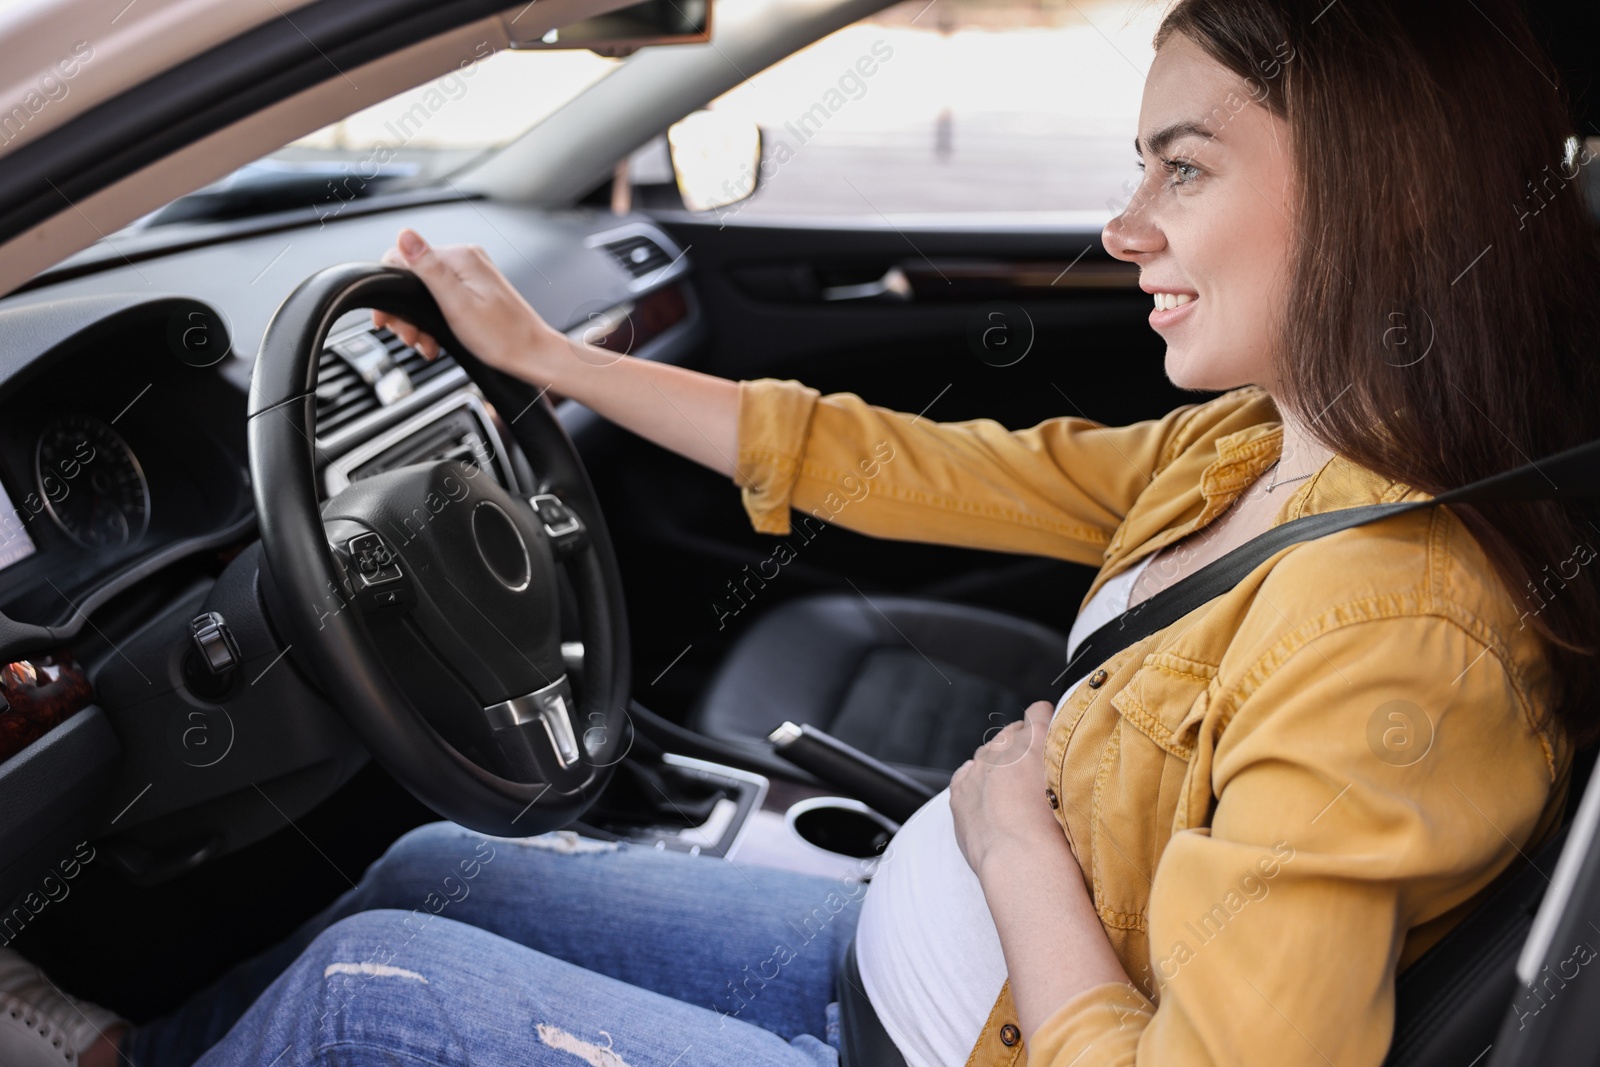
(917,683)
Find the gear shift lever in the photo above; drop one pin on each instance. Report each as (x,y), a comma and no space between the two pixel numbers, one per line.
(871,781)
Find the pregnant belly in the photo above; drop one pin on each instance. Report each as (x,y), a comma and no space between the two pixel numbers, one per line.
(926,944)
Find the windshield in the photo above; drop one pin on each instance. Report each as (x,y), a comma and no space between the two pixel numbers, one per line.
(987,105)
(418,137)
(482,106)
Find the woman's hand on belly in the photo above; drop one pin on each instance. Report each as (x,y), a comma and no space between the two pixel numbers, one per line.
(1054,943)
(997,797)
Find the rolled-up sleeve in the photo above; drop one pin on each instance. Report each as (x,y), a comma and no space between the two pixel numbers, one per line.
(1057,489)
(774,428)
(1276,931)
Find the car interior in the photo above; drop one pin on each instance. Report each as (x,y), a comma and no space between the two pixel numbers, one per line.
(195,726)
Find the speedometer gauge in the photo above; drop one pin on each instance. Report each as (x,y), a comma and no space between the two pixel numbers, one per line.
(91,482)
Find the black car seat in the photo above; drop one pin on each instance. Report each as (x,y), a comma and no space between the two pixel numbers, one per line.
(1462,999)
(917,683)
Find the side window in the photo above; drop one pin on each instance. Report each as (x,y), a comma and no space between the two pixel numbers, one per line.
(950,106)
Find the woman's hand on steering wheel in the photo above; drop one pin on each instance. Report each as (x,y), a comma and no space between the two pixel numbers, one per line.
(483,308)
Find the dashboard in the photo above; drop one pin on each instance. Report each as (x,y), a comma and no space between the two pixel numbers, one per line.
(127,515)
(122,418)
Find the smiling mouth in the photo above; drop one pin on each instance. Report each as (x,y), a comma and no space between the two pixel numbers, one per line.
(1169,301)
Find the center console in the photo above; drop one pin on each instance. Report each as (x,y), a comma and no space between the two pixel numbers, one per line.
(687,804)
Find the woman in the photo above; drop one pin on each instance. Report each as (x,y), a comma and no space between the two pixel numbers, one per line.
(1222,845)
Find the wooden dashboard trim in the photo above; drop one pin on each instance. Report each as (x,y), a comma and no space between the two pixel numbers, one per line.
(40,693)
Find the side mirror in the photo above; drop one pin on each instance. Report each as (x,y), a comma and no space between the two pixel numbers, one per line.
(716,159)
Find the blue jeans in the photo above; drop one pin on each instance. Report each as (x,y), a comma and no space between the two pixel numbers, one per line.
(460,949)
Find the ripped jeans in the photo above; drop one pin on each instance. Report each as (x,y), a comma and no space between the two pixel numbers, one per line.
(459,949)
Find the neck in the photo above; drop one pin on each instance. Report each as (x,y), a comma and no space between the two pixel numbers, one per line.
(1302,453)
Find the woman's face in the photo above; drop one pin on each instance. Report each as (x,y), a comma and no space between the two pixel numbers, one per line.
(1209,224)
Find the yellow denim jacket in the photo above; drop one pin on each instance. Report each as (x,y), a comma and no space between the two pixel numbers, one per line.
(1280,800)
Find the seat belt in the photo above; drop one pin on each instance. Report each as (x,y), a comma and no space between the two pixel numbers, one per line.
(863,1041)
(1569,474)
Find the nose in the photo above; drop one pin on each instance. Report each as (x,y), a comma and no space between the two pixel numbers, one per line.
(1133,233)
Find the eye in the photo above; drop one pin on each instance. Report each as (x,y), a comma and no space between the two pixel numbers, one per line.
(1183,172)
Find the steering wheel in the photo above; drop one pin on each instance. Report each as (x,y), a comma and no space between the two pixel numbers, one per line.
(426,600)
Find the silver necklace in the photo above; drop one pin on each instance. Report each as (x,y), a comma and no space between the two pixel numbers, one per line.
(1274,483)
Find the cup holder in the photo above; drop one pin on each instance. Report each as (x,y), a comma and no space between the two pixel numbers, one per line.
(841,826)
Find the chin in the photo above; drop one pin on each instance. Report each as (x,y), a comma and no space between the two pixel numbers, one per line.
(1203,371)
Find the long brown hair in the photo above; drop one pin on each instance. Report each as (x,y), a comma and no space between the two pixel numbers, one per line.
(1444,293)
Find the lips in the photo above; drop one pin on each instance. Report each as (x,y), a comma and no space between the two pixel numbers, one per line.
(1171,308)
(1172,302)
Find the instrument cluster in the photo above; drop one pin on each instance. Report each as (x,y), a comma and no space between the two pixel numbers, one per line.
(117,457)
(90,482)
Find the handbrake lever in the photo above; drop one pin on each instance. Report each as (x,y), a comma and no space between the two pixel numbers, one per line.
(850,770)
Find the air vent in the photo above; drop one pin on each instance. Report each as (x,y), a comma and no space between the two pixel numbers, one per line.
(412,362)
(343,397)
(458,436)
(638,255)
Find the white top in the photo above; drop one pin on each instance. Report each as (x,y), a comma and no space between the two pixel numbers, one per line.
(926,944)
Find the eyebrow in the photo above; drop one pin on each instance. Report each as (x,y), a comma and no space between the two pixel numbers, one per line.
(1163,138)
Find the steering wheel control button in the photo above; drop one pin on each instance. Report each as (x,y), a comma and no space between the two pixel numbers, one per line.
(559,520)
(385,598)
(501,546)
(381,586)
(548,707)
(373,560)
(561,523)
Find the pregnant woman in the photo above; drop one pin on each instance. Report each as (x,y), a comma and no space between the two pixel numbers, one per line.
(1222,845)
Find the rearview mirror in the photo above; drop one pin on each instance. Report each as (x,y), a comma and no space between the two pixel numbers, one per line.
(621,32)
(716,159)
